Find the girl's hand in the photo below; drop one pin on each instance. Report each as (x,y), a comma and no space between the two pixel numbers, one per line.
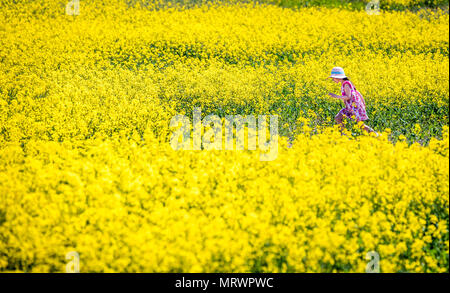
(333,95)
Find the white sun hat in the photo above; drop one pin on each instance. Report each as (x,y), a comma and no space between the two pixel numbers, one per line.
(337,72)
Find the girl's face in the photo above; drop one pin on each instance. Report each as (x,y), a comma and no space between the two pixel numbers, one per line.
(337,80)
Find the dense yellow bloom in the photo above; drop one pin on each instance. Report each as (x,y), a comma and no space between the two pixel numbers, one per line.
(86,166)
(127,206)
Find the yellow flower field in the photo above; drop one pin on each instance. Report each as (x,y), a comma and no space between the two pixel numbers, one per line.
(86,164)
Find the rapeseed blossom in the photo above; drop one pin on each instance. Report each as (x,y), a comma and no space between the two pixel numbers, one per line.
(86,164)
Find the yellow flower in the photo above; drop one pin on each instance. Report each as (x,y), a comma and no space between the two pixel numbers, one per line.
(86,164)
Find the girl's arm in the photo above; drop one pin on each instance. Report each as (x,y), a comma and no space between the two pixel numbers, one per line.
(346,97)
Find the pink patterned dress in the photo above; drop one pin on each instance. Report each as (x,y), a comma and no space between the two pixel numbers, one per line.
(356,105)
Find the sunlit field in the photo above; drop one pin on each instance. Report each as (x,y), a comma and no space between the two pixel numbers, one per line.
(86,163)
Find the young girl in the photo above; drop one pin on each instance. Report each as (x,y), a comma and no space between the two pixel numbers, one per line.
(353,100)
